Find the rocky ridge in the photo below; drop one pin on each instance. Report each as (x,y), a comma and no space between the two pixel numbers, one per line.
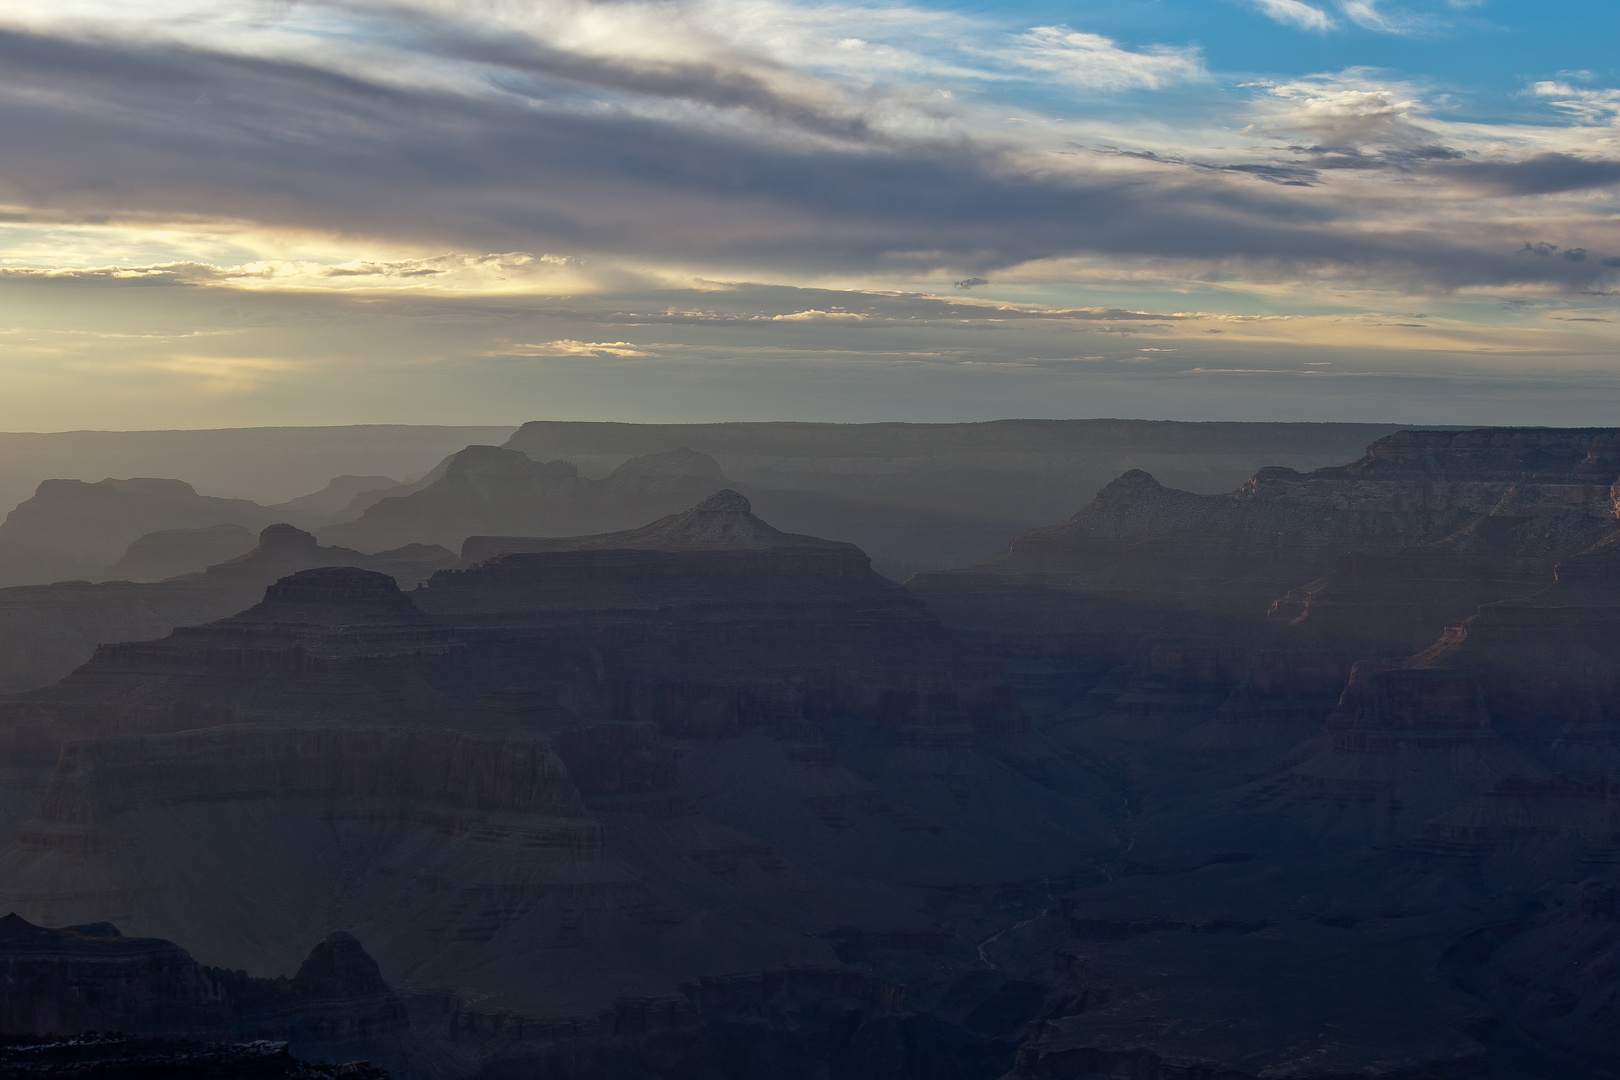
(48,630)
(448,774)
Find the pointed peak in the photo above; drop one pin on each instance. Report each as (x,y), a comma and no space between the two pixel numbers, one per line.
(724,501)
(1130,484)
(724,520)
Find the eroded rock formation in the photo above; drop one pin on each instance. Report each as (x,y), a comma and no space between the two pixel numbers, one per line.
(71,528)
(48,630)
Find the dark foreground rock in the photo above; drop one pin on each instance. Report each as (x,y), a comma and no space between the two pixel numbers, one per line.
(116,1057)
(59,988)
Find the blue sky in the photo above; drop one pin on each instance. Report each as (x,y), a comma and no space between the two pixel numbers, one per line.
(219,212)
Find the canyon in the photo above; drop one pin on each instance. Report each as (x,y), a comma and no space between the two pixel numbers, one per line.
(624,774)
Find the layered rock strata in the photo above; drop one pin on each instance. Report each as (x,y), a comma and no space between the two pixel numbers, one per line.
(336,642)
(710,621)
(48,630)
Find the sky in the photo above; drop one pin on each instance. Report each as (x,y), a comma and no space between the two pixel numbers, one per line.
(229,212)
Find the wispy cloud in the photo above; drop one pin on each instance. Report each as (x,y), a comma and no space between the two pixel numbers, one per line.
(1296,13)
(1096,61)
(1589,106)
(1372,15)
(573,347)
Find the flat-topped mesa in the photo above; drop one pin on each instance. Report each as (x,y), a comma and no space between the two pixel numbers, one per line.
(1494,454)
(723,521)
(338,643)
(710,619)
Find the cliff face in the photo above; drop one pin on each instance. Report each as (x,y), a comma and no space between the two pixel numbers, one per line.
(1545,669)
(92,979)
(1292,572)
(1365,711)
(430,843)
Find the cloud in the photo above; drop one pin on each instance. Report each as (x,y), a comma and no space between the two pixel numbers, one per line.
(1092,60)
(853,142)
(1295,13)
(1541,174)
(1588,106)
(817,315)
(1369,15)
(572,347)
